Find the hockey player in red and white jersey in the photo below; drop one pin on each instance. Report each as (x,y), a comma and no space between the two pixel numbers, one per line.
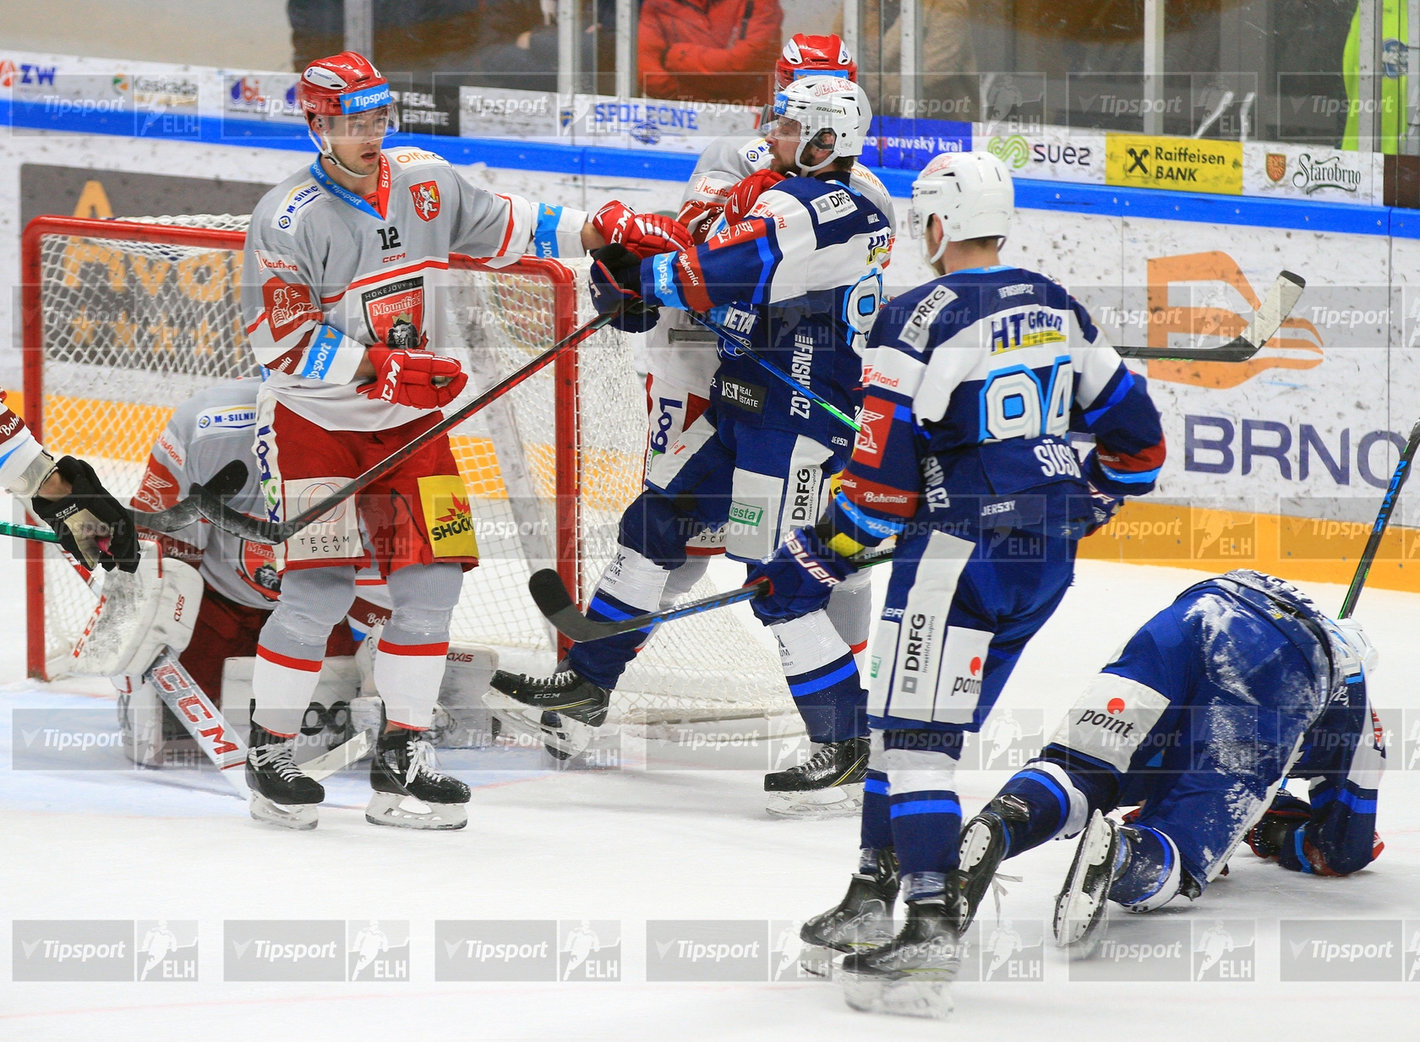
(342,266)
(67,495)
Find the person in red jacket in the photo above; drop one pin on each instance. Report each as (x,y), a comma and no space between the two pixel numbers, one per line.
(708,50)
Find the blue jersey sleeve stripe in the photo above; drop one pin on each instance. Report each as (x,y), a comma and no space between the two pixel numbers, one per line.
(1121,389)
(321,354)
(545,234)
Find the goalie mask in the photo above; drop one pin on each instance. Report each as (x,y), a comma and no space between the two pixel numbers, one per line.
(831,112)
(345,96)
(972,194)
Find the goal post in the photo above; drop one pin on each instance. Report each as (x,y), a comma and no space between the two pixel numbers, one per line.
(124,319)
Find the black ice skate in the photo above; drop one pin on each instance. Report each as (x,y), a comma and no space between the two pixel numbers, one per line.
(983,846)
(911,974)
(863,919)
(563,709)
(829,782)
(280,792)
(410,792)
(1080,908)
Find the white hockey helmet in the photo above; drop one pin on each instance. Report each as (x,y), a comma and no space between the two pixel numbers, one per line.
(971,192)
(820,103)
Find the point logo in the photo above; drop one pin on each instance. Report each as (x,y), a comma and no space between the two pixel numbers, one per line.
(1115,706)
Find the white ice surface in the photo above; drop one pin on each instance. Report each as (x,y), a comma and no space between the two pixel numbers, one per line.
(632,846)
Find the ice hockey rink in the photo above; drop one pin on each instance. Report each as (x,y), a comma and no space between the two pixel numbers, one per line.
(614,871)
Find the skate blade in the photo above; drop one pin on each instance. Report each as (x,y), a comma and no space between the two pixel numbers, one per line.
(564,740)
(834,802)
(299,816)
(816,961)
(908,997)
(1079,914)
(406,812)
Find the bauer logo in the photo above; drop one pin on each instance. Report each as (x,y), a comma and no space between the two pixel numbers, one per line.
(1339,949)
(707,949)
(377,950)
(1225,950)
(167,949)
(495,950)
(589,949)
(71,950)
(1138,949)
(290,950)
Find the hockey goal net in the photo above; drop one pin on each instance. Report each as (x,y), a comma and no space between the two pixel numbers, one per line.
(125,319)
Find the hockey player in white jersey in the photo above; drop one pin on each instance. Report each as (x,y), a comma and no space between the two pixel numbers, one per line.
(973,382)
(67,495)
(801,279)
(342,266)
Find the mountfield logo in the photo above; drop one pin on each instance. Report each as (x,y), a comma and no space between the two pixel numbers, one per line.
(1192,297)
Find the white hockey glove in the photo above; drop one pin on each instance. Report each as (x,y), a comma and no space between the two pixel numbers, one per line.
(1360,644)
(138,615)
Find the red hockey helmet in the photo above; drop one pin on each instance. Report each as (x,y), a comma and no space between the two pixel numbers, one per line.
(806,55)
(343,84)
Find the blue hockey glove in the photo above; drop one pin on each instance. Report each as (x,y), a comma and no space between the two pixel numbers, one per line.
(1103,507)
(801,574)
(1274,830)
(616,284)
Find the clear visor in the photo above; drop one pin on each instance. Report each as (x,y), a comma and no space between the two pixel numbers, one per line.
(363,126)
(919,212)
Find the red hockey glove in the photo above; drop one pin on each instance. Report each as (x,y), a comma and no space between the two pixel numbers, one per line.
(644,234)
(744,195)
(698,216)
(414,378)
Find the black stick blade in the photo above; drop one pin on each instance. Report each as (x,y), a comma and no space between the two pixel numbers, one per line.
(1266,320)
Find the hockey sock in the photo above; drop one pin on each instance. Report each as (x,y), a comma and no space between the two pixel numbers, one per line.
(1053,802)
(292,645)
(924,811)
(823,678)
(409,659)
(876,823)
(1149,877)
(632,584)
(850,607)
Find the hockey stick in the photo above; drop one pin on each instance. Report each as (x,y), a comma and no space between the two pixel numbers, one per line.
(1392,493)
(226,483)
(1266,320)
(258,530)
(552,598)
(742,345)
(39,535)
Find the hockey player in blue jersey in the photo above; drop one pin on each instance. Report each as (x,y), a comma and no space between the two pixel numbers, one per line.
(973,382)
(799,279)
(1238,685)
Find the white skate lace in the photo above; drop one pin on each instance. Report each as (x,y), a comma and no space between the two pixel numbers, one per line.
(277,757)
(421,761)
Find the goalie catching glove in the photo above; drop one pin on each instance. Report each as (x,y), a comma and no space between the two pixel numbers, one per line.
(406,375)
(801,575)
(90,523)
(644,234)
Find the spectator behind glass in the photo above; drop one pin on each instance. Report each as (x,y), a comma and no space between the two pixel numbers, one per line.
(416,36)
(946,79)
(520,46)
(708,50)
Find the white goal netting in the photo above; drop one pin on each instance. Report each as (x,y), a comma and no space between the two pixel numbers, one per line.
(124,320)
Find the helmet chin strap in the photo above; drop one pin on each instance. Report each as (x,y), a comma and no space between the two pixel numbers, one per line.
(328,152)
(941,246)
(804,168)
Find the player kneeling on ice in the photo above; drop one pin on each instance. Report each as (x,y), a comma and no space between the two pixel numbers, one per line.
(797,281)
(973,382)
(1239,685)
(341,272)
